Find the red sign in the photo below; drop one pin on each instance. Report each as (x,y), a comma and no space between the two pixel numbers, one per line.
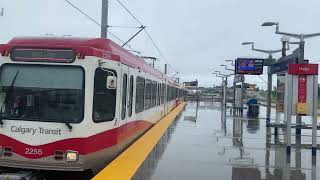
(302,88)
(303,69)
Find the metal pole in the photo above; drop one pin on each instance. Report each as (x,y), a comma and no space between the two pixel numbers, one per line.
(284,49)
(104,19)
(315,115)
(225,93)
(269,93)
(165,69)
(222,93)
(300,61)
(225,87)
(242,96)
(288,87)
(314,168)
(234,93)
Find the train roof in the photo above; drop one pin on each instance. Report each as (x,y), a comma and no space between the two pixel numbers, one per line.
(99,47)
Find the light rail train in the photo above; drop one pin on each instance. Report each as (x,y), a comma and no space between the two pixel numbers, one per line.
(74,104)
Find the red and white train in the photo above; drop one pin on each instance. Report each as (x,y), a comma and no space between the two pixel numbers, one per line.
(73,104)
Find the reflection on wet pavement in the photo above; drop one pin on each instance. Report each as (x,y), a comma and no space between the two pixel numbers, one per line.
(204,146)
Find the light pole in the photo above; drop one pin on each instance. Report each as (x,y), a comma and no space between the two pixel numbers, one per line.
(222,89)
(232,62)
(225,88)
(223,102)
(234,82)
(301,38)
(270,59)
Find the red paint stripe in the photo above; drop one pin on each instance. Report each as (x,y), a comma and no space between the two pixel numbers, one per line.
(82,145)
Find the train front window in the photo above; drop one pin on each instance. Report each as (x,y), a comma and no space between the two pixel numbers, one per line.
(42,93)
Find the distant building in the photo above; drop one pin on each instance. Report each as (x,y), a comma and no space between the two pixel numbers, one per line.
(190,84)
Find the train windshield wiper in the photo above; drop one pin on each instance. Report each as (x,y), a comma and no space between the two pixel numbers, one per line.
(69,126)
(8,94)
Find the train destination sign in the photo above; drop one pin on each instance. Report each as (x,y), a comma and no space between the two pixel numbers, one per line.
(250,66)
(43,55)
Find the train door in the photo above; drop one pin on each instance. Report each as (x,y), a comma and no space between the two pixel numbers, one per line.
(123,134)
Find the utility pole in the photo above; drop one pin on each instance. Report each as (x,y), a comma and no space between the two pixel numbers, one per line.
(104,19)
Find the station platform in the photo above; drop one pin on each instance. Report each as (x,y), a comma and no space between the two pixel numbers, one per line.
(200,145)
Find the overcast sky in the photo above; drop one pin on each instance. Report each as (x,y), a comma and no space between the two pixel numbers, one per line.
(195,36)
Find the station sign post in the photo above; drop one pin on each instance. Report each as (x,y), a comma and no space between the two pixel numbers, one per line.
(239,78)
(302,98)
(247,66)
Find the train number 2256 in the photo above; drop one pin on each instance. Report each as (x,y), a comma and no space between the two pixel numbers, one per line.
(33,151)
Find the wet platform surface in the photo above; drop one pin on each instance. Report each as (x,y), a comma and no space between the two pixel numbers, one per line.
(237,148)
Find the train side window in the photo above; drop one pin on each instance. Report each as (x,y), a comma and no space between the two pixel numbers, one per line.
(124,96)
(104,100)
(148,95)
(163,87)
(169,93)
(140,88)
(154,94)
(175,93)
(130,96)
(159,96)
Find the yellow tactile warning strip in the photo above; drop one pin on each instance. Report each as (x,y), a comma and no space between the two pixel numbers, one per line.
(126,164)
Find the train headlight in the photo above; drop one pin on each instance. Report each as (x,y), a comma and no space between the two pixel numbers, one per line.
(72,156)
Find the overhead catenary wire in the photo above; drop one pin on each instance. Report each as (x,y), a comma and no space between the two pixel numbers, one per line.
(262,79)
(147,33)
(96,22)
(129,12)
(127,27)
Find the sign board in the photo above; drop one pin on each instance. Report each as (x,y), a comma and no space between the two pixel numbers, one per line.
(303,69)
(269,62)
(302,87)
(239,78)
(43,55)
(282,66)
(250,66)
(191,84)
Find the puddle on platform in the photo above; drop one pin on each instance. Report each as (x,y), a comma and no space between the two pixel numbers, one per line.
(201,145)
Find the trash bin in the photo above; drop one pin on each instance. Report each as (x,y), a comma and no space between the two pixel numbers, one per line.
(253,108)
